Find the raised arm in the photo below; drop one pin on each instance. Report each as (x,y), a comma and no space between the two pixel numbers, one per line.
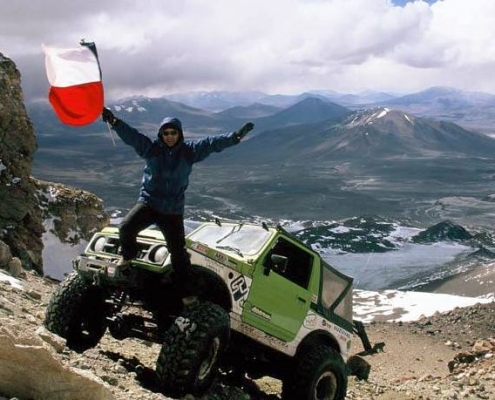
(129,135)
(214,144)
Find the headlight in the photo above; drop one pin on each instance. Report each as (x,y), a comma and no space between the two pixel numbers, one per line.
(159,254)
(99,245)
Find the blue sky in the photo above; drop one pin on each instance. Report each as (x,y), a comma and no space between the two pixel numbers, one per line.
(276,46)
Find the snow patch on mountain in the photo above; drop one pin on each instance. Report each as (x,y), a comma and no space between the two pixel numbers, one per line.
(16,283)
(367,117)
(395,305)
(135,106)
(382,113)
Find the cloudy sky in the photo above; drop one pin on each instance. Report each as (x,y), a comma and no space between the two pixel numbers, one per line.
(157,47)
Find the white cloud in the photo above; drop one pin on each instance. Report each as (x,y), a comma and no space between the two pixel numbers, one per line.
(281,46)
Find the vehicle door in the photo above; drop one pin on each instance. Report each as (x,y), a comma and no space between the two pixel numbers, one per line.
(279,298)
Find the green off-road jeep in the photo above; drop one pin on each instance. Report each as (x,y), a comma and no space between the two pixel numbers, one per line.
(265,305)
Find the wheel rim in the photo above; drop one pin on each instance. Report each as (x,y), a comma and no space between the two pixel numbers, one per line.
(326,387)
(210,359)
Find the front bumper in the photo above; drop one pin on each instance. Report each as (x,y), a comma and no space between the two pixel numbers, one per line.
(104,272)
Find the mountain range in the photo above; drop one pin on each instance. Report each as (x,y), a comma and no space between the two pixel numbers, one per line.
(308,156)
(472,110)
(371,134)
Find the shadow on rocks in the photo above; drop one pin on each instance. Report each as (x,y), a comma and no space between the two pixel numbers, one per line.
(223,388)
(144,375)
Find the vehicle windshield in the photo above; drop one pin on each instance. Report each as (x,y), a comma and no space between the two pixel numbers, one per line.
(245,239)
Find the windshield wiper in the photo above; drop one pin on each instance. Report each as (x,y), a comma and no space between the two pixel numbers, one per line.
(232,249)
(235,228)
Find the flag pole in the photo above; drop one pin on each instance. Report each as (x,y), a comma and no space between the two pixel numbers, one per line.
(111,134)
(92,47)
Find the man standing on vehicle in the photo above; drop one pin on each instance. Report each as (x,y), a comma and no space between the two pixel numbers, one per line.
(169,160)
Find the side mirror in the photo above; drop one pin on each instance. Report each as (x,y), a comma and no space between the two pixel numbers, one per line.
(279,263)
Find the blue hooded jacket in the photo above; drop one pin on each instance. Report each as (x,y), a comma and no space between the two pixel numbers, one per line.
(167,169)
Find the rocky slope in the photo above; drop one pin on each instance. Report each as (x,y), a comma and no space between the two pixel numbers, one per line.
(446,356)
(20,217)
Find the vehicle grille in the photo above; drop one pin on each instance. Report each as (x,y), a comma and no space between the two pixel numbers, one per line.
(149,252)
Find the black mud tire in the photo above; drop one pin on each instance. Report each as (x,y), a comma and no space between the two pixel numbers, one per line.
(76,312)
(188,360)
(319,374)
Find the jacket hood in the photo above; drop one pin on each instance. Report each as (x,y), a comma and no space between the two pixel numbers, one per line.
(171,122)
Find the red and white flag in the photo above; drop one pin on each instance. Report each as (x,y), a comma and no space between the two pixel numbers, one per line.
(76,89)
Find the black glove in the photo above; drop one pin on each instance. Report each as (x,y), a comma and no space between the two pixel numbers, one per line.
(108,116)
(244,130)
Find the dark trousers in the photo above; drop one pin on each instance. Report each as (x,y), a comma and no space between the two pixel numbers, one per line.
(142,216)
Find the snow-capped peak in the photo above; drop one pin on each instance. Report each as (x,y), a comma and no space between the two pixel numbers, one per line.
(368,116)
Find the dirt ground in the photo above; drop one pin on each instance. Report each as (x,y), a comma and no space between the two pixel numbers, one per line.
(415,360)
(414,363)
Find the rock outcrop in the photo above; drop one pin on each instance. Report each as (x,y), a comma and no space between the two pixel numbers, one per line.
(73,215)
(445,230)
(46,377)
(20,217)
